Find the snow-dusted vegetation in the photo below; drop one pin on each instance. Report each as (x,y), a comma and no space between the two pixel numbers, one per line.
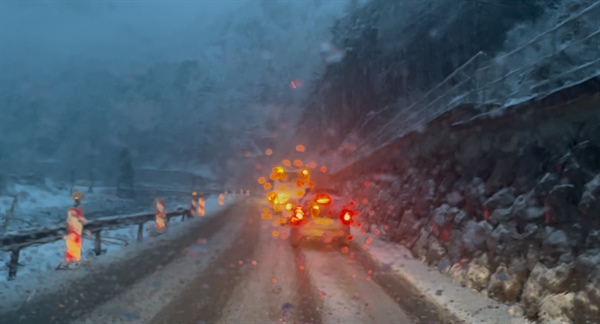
(212,84)
(486,53)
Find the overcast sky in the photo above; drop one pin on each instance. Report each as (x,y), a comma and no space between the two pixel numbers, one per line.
(106,29)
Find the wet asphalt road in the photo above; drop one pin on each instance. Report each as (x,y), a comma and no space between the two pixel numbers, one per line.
(234,267)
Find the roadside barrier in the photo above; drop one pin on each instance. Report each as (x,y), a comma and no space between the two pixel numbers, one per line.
(77,228)
(193,205)
(15,242)
(161,215)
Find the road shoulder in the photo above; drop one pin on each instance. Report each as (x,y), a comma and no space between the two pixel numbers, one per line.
(456,302)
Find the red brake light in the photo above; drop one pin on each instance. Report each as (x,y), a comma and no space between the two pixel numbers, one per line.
(346,217)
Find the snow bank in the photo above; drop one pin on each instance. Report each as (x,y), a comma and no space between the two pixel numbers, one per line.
(45,203)
(437,288)
(41,260)
(34,196)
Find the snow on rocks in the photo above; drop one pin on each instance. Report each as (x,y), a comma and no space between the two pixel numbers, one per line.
(507,283)
(558,308)
(501,199)
(590,199)
(478,274)
(466,306)
(511,219)
(555,246)
(587,301)
(475,235)
(544,282)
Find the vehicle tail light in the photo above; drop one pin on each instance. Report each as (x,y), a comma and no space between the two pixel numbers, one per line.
(346,217)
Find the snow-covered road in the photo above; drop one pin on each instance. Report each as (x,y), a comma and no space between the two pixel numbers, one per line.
(230,267)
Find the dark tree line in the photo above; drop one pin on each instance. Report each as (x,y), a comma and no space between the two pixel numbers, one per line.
(396,51)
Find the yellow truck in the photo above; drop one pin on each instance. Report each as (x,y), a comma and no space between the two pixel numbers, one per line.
(322,217)
(289,185)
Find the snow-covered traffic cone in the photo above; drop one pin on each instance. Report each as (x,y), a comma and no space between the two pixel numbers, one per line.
(221,200)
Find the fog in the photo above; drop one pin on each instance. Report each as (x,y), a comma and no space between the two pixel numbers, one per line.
(132,30)
(180,83)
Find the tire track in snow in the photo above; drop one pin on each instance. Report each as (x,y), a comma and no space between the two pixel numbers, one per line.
(205,297)
(347,292)
(268,294)
(146,298)
(309,304)
(402,292)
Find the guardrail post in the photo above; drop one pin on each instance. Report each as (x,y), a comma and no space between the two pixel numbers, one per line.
(13,264)
(97,243)
(140,233)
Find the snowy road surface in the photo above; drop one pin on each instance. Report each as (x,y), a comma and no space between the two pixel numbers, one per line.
(235,267)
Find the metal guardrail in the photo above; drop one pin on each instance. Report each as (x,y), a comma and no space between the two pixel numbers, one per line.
(16,241)
(483,80)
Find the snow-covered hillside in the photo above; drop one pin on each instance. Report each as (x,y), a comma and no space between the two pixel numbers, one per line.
(399,74)
(193,88)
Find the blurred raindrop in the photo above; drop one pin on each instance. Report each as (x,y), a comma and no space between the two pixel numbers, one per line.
(287,309)
(131,315)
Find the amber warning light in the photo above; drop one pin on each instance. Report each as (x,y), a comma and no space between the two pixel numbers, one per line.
(298,216)
(323,199)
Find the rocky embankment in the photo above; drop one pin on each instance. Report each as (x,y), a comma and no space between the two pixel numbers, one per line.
(510,209)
